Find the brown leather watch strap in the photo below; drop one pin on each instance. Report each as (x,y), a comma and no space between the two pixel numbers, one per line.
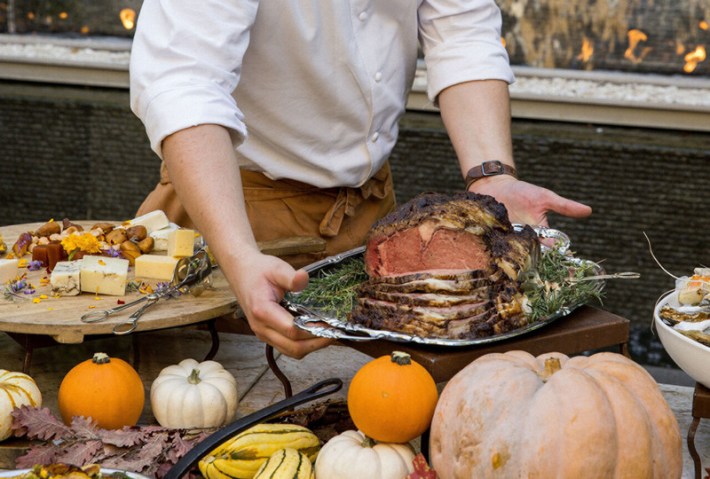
(488,168)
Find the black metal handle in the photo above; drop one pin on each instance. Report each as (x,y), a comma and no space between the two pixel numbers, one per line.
(323,388)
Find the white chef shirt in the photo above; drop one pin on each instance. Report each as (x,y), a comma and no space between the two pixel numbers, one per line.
(310,90)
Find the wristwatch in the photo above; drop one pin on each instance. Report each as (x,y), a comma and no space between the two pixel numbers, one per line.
(488,168)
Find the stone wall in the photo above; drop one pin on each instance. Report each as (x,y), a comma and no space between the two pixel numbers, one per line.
(80,153)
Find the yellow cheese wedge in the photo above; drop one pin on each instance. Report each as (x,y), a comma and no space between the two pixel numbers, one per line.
(104,275)
(181,243)
(153,266)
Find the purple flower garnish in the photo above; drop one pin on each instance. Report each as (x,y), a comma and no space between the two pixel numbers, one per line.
(34,265)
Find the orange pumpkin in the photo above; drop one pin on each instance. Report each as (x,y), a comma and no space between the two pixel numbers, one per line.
(392,398)
(106,389)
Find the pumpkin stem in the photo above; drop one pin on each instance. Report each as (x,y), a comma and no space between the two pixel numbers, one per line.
(367,441)
(552,365)
(100,358)
(401,358)
(194,377)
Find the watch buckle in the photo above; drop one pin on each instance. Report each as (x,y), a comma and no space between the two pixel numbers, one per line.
(496,168)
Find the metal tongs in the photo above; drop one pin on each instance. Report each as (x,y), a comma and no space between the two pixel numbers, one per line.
(190,272)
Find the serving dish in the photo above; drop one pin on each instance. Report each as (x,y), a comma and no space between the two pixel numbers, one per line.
(323,323)
(690,355)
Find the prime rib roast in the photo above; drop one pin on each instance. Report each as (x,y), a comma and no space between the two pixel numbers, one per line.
(446,266)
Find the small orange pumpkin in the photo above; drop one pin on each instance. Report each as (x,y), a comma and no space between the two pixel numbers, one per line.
(106,389)
(392,398)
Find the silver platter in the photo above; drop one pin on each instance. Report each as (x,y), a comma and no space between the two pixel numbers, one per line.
(323,324)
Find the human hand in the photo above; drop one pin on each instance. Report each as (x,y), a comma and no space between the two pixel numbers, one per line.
(527,203)
(260,283)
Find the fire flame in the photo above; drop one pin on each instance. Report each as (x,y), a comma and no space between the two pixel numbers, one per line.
(636,36)
(128,18)
(587,50)
(693,58)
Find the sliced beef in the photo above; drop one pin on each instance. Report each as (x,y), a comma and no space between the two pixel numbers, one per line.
(435,231)
(446,266)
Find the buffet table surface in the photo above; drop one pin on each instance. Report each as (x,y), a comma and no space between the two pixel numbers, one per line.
(243,355)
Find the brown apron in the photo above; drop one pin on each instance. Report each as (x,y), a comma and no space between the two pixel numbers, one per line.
(286,208)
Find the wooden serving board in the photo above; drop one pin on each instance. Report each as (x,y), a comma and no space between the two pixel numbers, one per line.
(59,317)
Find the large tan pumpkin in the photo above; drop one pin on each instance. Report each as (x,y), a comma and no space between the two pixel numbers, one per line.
(515,415)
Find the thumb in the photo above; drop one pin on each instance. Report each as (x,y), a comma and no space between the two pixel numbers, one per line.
(288,279)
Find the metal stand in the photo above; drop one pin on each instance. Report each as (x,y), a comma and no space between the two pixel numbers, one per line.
(701,409)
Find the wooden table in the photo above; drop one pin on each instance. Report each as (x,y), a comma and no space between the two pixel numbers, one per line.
(701,409)
(57,319)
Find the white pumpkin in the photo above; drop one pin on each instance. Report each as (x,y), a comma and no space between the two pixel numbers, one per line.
(16,389)
(191,395)
(352,455)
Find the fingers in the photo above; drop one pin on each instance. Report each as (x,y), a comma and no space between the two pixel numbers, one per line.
(567,207)
(274,325)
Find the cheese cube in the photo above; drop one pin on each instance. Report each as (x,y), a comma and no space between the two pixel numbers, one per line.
(8,270)
(160,237)
(152,221)
(104,275)
(66,278)
(181,243)
(153,266)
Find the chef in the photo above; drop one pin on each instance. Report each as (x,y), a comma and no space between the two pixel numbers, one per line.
(276,119)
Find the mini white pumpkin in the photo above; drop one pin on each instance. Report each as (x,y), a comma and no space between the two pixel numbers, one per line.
(352,455)
(16,389)
(191,395)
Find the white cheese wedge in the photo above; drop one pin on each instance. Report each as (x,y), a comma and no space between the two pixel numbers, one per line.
(8,270)
(153,266)
(160,237)
(66,278)
(181,243)
(103,275)
(152,221)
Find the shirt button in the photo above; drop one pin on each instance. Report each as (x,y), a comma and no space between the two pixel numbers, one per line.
(362,16)
(375,136)
(378,76)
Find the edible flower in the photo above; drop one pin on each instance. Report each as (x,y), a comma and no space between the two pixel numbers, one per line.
(34,265)
(81,241)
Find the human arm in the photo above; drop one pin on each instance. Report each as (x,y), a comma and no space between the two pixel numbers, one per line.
(212,196)
(477,117)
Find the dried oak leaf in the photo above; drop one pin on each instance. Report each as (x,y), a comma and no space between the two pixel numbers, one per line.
(37,454)
(84,427)
(80,453)
(421,469)
(38,423)
(124,437)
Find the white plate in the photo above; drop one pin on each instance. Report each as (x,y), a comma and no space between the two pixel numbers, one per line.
(132,475)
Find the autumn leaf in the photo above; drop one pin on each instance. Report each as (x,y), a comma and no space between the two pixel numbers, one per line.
(38,454)
(38,423)
(421,469)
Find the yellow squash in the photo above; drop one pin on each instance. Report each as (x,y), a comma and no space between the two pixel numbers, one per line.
(286,464)
(241,456)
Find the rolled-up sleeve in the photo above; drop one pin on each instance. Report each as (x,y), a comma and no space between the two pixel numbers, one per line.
(461,41)
(185,64)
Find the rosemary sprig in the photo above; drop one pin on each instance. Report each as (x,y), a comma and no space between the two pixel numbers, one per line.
(554,284)
(333,291)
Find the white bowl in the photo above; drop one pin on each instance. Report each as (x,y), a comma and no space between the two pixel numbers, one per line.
(690,355)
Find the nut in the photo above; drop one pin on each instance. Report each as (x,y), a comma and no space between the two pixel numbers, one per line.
(146,245)
(104,227)
(117,236)
(48,229)
(130,251)
(137,233)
